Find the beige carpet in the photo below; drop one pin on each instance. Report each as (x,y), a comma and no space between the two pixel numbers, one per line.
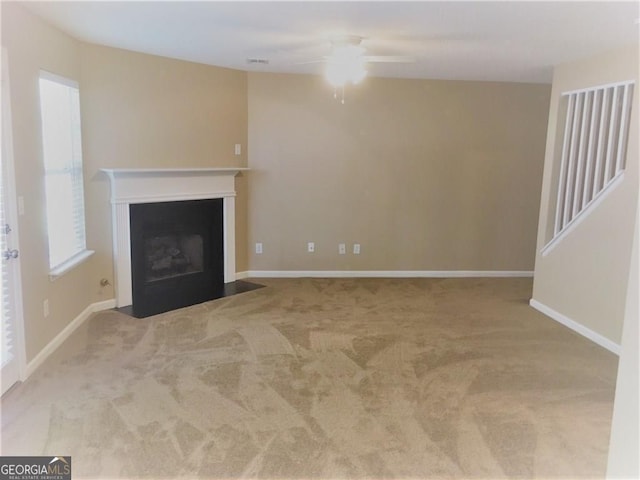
(325,378)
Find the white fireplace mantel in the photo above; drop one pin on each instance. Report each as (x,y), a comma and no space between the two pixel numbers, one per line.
(150,185)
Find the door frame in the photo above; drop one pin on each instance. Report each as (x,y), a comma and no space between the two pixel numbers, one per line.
(11,214)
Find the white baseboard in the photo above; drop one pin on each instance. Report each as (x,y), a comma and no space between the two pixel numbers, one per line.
(576,327)
(104,305)
(382,273)
(66,333)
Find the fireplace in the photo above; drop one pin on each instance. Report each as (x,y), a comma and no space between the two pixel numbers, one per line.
(172,256)
(177,254)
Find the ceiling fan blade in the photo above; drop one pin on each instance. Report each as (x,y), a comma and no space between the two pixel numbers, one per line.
(389,59)
(308,62)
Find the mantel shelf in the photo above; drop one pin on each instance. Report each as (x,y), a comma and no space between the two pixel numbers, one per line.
(112,172)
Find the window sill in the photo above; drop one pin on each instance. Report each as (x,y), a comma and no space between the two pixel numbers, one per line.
(73,262)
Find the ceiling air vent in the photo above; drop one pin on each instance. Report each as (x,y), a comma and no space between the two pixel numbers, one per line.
(259,61)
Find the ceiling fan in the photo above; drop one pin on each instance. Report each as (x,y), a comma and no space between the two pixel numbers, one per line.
(346,63)
(354,42)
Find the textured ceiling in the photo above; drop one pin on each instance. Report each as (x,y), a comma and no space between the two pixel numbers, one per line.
(503,41)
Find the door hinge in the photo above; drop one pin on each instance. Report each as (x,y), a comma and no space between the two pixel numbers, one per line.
(9,254)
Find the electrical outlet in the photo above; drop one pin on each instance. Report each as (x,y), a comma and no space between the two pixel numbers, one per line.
(238,149)
(342,248)
(258,248)
(45,308)
(311,247)
(356,249)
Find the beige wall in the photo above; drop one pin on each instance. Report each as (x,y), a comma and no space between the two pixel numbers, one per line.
(138,111)
(425,175)
(33,45)
(585,276)
(146,111)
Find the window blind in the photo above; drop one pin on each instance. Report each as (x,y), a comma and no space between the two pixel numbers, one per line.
(62,152)
(7,326)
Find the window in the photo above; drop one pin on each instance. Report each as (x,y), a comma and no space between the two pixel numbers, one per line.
(62,152)
(594,143)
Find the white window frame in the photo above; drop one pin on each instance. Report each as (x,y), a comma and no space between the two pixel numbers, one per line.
(75,166)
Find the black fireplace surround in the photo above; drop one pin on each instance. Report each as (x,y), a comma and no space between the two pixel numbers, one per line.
(177,254)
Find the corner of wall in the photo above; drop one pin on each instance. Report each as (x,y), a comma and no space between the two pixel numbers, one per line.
(584,278)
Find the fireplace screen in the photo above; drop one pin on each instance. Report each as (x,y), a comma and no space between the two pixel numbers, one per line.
(177,254)
(172,255)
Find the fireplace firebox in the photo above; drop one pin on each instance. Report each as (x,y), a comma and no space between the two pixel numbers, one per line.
(177,254)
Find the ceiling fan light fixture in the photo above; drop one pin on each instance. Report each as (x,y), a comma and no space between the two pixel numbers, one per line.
(358,76)
(345,65)
(339,76)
